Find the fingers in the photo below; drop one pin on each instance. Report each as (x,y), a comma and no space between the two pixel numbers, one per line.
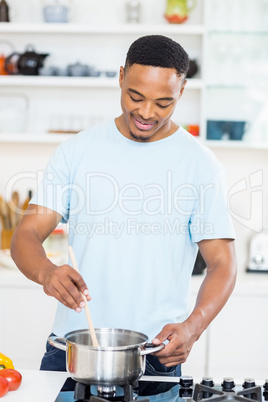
(66,285)
(177,348)
(167,331)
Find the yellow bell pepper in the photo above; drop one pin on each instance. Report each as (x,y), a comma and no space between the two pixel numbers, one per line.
(5,362)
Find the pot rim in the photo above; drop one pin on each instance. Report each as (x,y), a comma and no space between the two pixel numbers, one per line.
(107,348)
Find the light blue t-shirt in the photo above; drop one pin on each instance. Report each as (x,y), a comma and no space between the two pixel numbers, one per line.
(135,212)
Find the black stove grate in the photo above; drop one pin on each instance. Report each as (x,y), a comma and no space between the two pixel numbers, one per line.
(204,393)
(83,393)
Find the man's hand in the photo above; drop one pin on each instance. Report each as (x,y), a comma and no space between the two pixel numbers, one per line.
(180,342)
(66,285)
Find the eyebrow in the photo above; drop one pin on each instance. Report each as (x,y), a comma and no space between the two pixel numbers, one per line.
(158,99)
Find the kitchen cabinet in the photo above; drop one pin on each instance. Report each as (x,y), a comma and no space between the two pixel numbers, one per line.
(238,336)
(27,315)
(235,343)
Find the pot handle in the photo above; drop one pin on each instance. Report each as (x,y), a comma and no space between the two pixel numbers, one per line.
(57,342)
(151,348)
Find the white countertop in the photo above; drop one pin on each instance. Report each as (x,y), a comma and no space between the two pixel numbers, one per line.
(41,386)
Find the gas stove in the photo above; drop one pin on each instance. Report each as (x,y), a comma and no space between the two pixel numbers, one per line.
(170,389)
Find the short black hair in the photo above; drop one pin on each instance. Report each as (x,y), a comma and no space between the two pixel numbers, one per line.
(158,51)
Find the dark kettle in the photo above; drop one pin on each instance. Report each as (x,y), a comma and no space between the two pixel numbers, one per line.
(27,63)
(193,69)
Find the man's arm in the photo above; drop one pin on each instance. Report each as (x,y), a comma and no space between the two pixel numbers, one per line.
(62,282)
(214,292)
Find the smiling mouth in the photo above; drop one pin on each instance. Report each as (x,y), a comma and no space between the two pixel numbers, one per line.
(142,125)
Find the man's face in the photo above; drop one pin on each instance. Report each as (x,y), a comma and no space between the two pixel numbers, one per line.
(148,99)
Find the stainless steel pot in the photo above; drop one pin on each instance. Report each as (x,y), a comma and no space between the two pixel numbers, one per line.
(119,360)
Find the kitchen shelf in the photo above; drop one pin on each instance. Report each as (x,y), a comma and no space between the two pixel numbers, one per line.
(33,138)
(236,144)
(54,138)
(77,82)
(238,32)
(70,28)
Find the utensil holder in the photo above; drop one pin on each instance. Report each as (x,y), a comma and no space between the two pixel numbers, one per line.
(6,236)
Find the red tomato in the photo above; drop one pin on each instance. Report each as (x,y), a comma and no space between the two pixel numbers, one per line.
(13,377)
(3,386)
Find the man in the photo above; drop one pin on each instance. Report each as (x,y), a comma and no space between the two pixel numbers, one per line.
(140,195)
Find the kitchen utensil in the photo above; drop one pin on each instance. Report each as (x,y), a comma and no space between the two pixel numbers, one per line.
(258,255)
(119,360)
(4,212)
(110,74)
(27,63)
(2,65)
(6,236)
(78,70)
(14,210)
(25,203)
(56,13)
(216,129)
(133,11)
(95,342)
(5,48)
(4,11)
(193,69)
(177,11)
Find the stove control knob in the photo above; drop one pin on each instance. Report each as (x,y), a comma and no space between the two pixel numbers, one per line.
(265,393)
(228,384)
(207,381)
(186,381)
(249,383)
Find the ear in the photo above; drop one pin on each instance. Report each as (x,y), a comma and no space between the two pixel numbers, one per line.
(121,76)
(182,88)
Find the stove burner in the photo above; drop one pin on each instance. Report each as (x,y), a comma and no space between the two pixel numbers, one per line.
(83,393)
(106,391)
(204,392)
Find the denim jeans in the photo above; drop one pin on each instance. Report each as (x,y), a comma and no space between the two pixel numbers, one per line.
(55,360)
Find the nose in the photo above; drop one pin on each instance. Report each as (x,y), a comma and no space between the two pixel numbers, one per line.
(146,110)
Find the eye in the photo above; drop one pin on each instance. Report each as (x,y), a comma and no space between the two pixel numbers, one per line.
(163,107)
(135,100)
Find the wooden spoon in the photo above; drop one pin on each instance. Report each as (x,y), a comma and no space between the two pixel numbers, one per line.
(1,214)
(4,214)
(95,342)
(15,199)
(13,210)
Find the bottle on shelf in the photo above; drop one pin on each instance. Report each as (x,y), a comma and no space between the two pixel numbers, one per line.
(4,11)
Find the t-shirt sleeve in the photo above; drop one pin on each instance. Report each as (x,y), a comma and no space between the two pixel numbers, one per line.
(210,218)
(53,190)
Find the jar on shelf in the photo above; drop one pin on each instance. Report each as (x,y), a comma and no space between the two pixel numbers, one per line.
(133,11)
(177,11)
